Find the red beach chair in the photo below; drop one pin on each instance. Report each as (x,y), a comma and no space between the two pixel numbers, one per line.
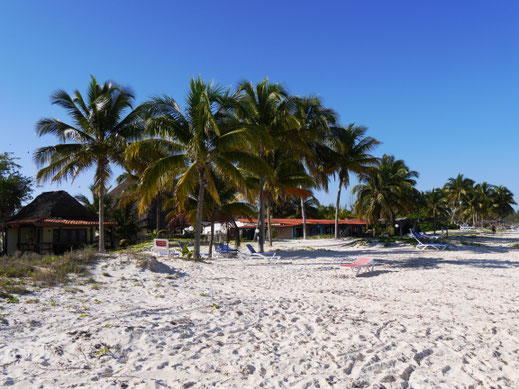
(361,262)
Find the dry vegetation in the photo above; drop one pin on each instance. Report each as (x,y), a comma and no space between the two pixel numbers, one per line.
(21,270)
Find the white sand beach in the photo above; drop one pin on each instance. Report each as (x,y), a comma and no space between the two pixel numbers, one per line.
(423,319)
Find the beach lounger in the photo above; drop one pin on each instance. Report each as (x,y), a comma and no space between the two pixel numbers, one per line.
(161,247)
(422,246)
(423,235)
(271,257)
(361,262)
(222,248)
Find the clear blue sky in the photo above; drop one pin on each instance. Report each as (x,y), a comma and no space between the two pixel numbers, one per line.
(436,81)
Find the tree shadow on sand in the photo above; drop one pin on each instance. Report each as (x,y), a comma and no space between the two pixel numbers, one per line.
(335,258)
(431,263)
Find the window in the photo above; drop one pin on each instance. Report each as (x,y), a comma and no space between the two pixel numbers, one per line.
(70,235)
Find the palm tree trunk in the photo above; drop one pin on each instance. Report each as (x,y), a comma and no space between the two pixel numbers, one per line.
(337,210)
(211,239)
(157,213)
(261,240)
(269,225)
(303,215)
(199,209)
(237,233)
(101,245)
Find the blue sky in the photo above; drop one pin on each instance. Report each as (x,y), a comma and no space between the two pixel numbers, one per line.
(436,82)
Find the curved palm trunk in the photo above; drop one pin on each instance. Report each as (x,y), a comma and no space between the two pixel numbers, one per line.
(199,208)
(269,224)
(101,245)
(337,210)
(303,215)
(261,240)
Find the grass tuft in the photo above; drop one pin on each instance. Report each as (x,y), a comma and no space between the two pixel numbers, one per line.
(42,270)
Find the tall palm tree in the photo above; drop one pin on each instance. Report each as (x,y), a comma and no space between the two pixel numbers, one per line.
(102,126)
(264,110)
(314,121)
(455,188)
(351,147)
(193,142)
(386,191)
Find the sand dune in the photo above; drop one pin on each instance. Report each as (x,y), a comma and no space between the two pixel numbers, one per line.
(422,319)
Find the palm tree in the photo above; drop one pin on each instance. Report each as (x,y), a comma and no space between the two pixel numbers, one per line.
(502,202)
(455,188)
(264,110)
(435,204)
(193,142)
(103,125)
(230,205)
(351,148)
(386,191)
(314,121)
(288,179)
(93,206)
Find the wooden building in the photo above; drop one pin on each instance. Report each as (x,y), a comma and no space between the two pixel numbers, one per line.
(52,223)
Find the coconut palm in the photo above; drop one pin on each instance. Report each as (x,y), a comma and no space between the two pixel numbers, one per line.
(193,142)
(102,126)
(502,202)
(455,188)
(264,110)
(288,179)
(93,206)
(351,149)
(386,191)
(435,204)
(314,121)
(230,206)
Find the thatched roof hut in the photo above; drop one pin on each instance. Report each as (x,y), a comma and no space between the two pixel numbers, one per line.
(58,205)
(52,222)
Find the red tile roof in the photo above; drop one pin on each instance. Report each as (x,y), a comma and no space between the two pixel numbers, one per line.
(299,222)
(56,222)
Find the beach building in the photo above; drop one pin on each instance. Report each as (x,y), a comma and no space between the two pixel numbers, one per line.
(293,228)
(52,223)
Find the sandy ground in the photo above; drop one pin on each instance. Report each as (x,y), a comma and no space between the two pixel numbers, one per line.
(423,319)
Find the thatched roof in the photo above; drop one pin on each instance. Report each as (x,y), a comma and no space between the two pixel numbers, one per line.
(54,205)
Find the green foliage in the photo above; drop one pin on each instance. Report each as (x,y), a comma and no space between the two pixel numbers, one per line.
(14,187)
(102,125)
(386,191)
(472,202)
(155,234)
(186,253)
